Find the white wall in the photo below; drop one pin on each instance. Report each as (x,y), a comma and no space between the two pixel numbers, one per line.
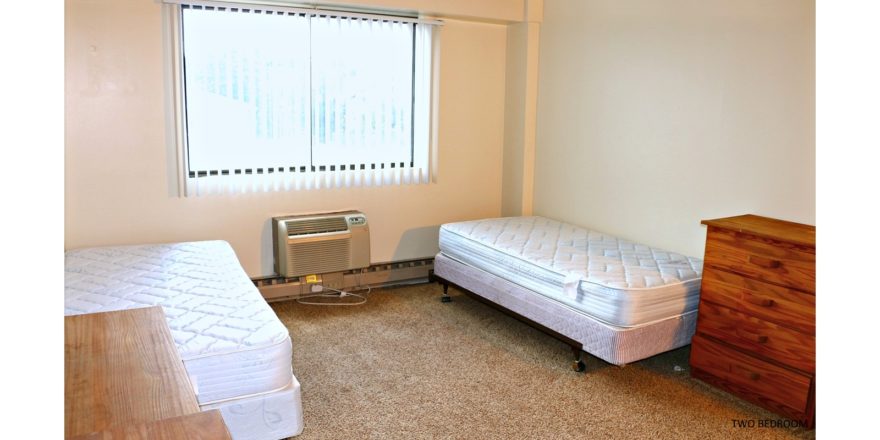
(655,115)
(520,112)
(116,177)
(514,118)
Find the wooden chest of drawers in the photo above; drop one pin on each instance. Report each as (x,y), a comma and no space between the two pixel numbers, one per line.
(756,325)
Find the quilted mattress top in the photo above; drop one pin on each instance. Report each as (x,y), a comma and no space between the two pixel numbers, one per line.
(580,254)
(210,304)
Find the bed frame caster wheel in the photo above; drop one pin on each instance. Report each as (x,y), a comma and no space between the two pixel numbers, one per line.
(445,298)
(578,364)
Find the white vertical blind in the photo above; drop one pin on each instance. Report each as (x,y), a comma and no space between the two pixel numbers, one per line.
(422,104)
(280,101)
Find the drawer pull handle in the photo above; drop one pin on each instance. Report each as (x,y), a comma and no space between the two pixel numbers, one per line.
(763,302)
(764,262)
(761,339)
(745,372)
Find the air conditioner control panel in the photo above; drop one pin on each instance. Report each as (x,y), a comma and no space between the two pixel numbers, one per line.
(356,220)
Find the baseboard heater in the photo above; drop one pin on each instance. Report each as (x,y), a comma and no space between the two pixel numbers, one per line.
(376,275)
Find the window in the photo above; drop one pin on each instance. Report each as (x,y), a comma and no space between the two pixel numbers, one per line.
(289,98)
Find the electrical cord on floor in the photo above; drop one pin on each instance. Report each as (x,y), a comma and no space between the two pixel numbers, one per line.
(336,294)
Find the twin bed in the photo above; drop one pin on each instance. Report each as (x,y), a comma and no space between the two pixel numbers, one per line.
(234,348)
(615,299)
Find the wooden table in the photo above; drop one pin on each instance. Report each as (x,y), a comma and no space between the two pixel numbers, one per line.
(206,425)
(123,376)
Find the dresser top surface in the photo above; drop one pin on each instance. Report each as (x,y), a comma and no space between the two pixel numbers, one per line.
(796,233)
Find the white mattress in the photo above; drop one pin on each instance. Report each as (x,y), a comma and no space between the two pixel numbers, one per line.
(617,345)
(616,281)
(231,342)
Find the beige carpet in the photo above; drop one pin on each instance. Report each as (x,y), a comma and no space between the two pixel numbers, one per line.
(404,365)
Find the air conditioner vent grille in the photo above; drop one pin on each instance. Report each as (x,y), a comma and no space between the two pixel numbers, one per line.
(316,226)
(319,257)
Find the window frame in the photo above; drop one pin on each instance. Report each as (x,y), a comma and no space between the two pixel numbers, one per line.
(176,123)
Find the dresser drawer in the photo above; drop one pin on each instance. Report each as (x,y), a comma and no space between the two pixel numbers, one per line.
(764,259)
(757,336)
(759,381)
(780,305)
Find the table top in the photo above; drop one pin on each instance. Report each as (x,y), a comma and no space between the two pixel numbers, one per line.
(122,368)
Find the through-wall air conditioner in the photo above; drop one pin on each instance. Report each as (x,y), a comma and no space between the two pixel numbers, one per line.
(320,243)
